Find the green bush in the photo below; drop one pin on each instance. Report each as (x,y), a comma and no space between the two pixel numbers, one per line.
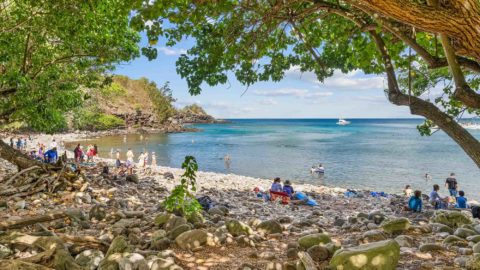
(113,90)
(86,120)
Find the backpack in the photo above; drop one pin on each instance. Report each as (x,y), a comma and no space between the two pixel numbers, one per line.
(205,202)
(476,211)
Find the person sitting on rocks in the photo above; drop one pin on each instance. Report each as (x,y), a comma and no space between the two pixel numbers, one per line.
(461,200)
(287,188)
(276,185)
(415,202)
(408,191)
(435,199)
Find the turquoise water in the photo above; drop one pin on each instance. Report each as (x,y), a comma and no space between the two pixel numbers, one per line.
(376,154)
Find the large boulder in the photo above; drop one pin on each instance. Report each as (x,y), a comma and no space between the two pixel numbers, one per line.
(453,219)
(439,228)
(373,256)
(453,240)
(193,239)
(396,225)
(237,228)
(269,227)
(464,233)
(310,240)
(90,259)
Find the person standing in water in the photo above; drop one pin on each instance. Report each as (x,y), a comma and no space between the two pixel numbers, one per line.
(452,185)
(227,160)
(130,162)
(154,161)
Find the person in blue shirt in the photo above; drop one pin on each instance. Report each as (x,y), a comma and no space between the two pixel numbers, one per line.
(51,156)
(287,188)
(461,200)
(415,202)
(276,185)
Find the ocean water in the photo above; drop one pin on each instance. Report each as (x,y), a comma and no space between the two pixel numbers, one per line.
(375,154)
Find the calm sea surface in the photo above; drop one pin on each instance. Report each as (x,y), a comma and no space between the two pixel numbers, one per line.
(376,154)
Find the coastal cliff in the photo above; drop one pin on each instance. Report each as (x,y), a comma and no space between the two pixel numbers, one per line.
(128,103)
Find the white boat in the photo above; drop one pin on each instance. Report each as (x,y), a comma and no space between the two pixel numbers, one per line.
(470,125)
(343,122)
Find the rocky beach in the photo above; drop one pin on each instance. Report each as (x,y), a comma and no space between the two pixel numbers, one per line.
(98,221)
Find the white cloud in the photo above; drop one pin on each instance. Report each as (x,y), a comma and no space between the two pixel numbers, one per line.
(295,92)
(354,80)
(172,51)
(267,101)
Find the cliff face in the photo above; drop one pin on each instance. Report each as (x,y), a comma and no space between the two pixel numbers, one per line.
(135,103)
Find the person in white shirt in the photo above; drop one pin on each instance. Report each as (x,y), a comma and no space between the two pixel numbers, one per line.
(154,160)
(130,162)
(53,144)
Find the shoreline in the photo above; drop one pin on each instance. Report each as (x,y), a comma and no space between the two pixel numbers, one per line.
(350,222)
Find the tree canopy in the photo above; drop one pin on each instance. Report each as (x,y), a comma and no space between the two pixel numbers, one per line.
(50,48)
(418,45)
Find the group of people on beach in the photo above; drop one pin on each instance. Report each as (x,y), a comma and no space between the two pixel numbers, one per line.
(39,152)
(127,167)
(85,155)
(285,193)
(456,198)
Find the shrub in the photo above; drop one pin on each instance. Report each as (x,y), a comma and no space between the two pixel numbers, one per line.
(182,197)
(87,120)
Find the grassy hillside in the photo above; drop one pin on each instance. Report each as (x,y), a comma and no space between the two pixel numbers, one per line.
(125,102)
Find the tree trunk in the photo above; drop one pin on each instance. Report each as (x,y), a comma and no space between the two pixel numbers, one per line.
(459,19)
(18,158)
(418,106)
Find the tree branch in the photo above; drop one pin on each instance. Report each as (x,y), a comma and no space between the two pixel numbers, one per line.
(426,109)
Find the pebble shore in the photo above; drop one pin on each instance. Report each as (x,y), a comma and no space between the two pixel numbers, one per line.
(242,231)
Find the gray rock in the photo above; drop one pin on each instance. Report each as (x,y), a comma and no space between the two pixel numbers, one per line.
(339,222)
(178,230)
(269,227)
(292,253)
(453,240)
(20,205)
(174,222)
(474,238)
(98,212)
(430,247)
(89,258)
(439,227)
(476,248)
(164,264)
(237,228)
(4,252)
(396,225)
(377,255)
(405,241)
(318,253)
(193,239)
(373,236)
(465,251)
(464,233)
(310,240)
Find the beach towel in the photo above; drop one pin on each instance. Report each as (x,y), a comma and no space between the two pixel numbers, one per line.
(303,196)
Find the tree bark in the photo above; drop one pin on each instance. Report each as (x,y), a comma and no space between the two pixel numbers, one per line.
(418,106)
(459,20)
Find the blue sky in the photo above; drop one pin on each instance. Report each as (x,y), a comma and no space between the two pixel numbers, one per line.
(352,95)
